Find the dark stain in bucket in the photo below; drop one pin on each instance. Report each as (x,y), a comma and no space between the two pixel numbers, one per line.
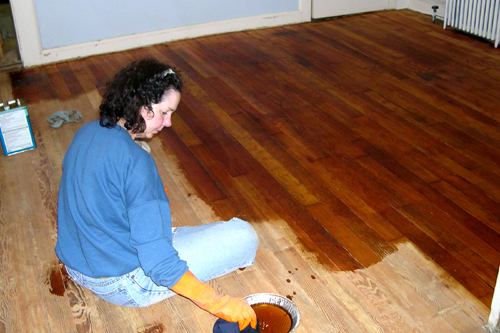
(288,280)
(272,318)
(313,277)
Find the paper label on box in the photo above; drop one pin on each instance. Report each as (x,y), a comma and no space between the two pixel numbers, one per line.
(15,130)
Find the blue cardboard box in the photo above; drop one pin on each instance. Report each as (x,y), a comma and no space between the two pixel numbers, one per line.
(16,134)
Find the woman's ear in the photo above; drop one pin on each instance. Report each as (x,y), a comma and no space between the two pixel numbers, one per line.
(147,114)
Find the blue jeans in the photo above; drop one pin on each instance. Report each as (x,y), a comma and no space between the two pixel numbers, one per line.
(210,250)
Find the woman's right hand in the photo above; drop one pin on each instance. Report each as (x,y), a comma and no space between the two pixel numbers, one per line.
(233,309)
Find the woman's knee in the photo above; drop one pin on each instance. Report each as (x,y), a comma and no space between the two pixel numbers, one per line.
(244,233)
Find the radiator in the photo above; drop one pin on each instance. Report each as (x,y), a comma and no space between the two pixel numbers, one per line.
(477,17)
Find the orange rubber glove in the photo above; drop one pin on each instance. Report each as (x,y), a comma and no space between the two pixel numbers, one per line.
(225,307)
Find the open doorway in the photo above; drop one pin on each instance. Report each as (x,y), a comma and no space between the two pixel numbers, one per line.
(10,59)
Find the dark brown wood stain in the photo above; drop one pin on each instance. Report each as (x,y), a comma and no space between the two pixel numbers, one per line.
(55,281)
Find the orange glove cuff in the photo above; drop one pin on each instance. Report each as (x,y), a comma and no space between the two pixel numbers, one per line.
(226,307)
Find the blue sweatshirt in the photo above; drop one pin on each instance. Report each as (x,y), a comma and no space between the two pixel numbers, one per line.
(113,213)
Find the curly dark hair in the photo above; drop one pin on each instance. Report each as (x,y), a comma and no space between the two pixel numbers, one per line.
(140,84)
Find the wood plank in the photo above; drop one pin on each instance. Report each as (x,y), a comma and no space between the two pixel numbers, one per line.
(453,293)
(492,255)
(339,206)
(474,193)
(202,122)
(308,229)
(18,237)
(377,302)
(53,291)
(70,79)
(474,264)
(420,275)
(83,308)
(203,182)
(472,176)
(287,180)
(421,312)
(271,274)
(6,87)
(187,207)
(344,235)
(240,200)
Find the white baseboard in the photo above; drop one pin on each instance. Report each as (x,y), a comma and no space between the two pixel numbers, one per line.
(33,55)
(164,36)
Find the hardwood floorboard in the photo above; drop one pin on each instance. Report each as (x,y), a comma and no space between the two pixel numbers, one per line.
(363,149)
(342,211)
(205,185)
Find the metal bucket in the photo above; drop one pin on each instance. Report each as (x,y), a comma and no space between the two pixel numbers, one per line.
(280,301)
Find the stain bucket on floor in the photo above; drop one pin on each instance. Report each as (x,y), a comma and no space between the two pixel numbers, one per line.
(276,313)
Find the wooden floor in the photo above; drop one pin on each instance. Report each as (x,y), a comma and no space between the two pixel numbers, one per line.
(364,150)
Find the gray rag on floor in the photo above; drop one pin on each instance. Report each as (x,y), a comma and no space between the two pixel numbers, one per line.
(61,117)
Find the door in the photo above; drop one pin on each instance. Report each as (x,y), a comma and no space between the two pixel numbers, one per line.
(9,50)
(329,8)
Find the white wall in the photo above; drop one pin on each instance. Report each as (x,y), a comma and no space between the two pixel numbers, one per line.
(57,30)
(71,22)
(329,8)
(425,6)
(51,31)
